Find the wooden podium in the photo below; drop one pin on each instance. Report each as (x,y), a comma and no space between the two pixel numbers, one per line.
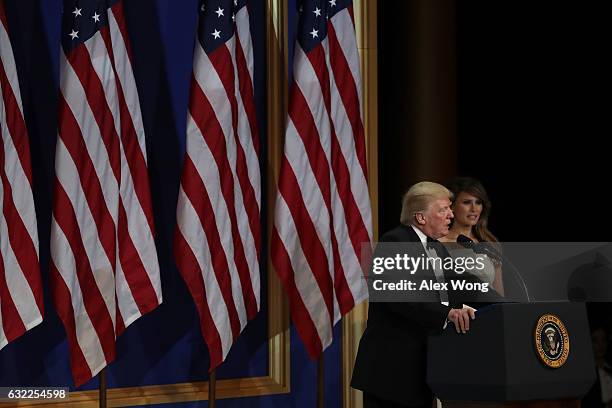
(535,355)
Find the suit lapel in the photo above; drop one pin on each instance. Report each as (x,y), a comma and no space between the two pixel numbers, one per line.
(411,236)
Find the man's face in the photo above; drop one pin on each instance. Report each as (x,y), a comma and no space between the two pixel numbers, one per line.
(437,218)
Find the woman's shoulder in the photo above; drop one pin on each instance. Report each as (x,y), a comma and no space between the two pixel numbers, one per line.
(451,237)
(452,245)
(450,242)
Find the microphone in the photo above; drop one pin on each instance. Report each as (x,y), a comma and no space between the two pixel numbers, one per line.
(479,247)
(488,250)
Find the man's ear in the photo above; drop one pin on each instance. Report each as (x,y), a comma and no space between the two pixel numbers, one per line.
(420,218)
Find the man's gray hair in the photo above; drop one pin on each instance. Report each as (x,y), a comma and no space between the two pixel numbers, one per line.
(419,197)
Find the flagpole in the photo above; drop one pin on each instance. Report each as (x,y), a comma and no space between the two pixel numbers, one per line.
(320,381)
(102,387)
(212,388)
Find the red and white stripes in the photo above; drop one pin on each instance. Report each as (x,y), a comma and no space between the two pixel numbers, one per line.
(323,214)
(217,239)
(21,298)
(104,272)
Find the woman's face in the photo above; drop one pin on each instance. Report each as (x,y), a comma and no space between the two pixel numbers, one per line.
(467,209)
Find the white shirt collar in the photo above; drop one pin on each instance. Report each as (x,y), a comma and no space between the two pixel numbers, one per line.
(421,234)
(439,274)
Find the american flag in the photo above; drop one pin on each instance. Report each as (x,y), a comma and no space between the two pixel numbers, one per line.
(104,269)
(217,238)
(323,213)
(21,298)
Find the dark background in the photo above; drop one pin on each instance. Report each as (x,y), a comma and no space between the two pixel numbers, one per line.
(533,115)
(515,94)
(525,109)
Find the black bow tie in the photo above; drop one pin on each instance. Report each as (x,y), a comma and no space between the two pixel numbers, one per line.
(431,243)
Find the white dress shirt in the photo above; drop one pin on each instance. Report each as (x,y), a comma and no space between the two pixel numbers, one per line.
(439,274)
(439,277)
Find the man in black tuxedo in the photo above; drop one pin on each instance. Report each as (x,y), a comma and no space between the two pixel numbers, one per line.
(391,362)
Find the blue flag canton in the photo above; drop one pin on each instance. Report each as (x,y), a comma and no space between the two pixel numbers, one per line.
(217,22)
(82,19)
(313,18)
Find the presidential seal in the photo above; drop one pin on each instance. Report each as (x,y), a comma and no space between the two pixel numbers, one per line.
(552,341)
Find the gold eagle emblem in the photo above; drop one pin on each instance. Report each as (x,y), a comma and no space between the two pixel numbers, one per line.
(552,341)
